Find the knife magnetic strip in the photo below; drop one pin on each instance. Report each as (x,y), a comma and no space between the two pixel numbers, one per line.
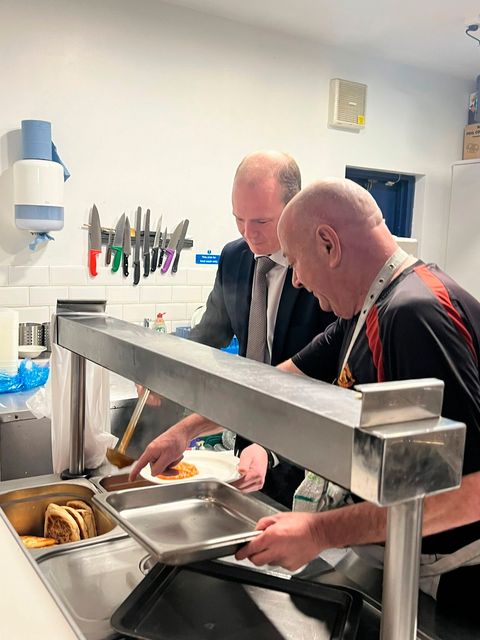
(187,245)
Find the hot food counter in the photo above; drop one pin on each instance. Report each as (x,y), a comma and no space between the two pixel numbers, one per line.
(377,434)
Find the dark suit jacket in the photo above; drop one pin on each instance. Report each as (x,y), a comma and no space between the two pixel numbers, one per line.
(299,320)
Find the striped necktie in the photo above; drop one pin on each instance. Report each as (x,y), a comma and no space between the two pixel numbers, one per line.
(257,321)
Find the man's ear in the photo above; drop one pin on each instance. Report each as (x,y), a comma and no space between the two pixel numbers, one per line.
(329,244)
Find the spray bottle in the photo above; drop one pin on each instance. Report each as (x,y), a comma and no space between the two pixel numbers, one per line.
(159,324)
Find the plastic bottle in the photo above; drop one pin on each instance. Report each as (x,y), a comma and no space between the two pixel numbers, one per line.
(159,324)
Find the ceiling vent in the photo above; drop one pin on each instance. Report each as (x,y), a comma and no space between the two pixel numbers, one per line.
(347,104)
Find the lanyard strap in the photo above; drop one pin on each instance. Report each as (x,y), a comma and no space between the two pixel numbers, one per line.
(381,282)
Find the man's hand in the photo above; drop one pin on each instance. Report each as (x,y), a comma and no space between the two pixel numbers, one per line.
(252,467)
(163,452)
(289,540)
(153,400)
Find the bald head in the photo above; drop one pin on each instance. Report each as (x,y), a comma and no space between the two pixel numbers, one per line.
(334,235)
(262,167)
(340,203)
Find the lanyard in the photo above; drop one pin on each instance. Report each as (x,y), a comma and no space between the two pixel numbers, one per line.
(381,282)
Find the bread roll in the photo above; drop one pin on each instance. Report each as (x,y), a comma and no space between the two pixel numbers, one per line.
(77,516)
(37,542)
(87,513)
(60,525)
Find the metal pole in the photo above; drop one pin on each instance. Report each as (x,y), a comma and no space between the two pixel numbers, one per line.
(77,418)
(401,571)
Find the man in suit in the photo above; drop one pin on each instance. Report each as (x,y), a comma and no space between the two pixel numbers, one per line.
(264,183)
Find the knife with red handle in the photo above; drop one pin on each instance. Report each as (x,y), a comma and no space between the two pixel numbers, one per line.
(94,241)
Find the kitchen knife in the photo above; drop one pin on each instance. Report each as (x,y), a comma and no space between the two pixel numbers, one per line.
(94,241)
(108,254)
(117,245)
(136,253)
(156,245)
(127,246)
(163,246)
(170,250)
(146,245)
(180,245)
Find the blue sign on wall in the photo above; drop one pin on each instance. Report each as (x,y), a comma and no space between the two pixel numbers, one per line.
(207,258)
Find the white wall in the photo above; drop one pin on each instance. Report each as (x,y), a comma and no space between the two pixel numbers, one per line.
(155,105)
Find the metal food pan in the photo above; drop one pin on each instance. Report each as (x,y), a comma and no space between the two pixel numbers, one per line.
(188,522)
(212,601)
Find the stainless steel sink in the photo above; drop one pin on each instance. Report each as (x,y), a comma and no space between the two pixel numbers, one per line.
(93,581)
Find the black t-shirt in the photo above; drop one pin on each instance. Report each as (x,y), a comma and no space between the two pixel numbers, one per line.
(424,325)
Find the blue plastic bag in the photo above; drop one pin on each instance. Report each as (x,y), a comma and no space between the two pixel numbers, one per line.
(29,376)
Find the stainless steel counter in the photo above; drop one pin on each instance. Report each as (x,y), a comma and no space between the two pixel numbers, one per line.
(378,436)
(107,571)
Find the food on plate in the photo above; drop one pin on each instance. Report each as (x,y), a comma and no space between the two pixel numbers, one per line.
(86,512)
(180,471)
(37,542)
(61,525)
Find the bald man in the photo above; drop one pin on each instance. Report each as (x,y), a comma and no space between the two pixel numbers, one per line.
(264,182)
(419,324)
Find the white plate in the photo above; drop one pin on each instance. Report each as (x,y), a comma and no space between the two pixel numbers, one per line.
(210,464)
(30,350)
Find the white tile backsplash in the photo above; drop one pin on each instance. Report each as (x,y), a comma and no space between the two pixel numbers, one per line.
(173,311)
(106,277)
(155,294)
(192,307)
(87,293)
(3,276)
(137,312)
(186,294)
(122,295)
(47,295)
(28,276)
(201,276)
(205,293)
(14,296)
(115,310)
(177,295)
(33,314)
(68,275)
(178,323)
(168,278)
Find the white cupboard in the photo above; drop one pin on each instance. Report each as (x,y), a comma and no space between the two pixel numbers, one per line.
(462,261)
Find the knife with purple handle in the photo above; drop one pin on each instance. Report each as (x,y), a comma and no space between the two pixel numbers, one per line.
(172,245)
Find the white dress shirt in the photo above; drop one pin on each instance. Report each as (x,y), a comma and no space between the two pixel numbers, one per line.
(275,281)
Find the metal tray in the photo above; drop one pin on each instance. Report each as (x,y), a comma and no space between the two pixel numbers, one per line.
(179,524)
(93,581)
(213,601)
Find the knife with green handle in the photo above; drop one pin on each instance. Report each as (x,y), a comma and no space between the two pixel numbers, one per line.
(117,246)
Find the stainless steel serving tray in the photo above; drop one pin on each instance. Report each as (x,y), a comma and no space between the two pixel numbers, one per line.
(211,601)
(184,523)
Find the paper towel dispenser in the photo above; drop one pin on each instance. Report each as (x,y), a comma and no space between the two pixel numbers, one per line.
(38,181)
